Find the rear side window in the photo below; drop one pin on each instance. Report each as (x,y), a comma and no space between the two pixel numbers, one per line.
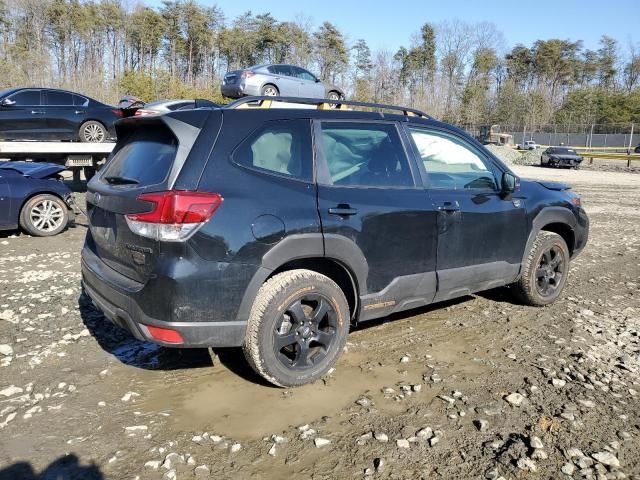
(59,98)
(146,157)
(366,155)
(79,101)
(26,98)
(281,147)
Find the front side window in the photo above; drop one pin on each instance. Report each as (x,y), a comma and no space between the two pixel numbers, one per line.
(302,74)
(367,155)
(450,163)
(59,98)
(26,98)
(281,147)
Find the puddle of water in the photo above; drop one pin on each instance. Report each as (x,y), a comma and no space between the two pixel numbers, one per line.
(225,403)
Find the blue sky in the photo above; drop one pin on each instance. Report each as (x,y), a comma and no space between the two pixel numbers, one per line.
(390,23)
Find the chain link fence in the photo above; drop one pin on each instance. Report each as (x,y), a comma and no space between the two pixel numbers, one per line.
(616,136)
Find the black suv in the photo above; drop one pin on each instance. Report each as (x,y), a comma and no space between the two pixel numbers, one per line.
(276,229)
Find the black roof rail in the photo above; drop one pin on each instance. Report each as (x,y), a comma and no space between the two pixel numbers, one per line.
(321,104)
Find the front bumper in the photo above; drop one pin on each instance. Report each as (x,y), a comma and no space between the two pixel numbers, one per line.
(581,232)
(118,303)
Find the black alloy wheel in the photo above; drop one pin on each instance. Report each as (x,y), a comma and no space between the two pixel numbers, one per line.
(306,332)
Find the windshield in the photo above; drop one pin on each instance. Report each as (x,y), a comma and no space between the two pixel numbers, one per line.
(562,151)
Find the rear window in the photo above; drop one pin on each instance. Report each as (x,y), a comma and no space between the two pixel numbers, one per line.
(146,157)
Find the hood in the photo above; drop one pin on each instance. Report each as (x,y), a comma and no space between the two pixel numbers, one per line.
(37,170)
(555,186)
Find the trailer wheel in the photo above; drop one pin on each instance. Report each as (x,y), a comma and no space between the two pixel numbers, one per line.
(92,132)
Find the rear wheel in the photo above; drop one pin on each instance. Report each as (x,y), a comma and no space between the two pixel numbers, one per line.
(92,132)
(270,91)
(297,328)
(44,215)
(545,271)
(335,96)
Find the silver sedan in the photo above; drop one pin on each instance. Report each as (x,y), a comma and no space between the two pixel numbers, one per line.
(277,80)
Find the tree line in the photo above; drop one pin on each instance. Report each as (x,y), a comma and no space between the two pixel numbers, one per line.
(458,71)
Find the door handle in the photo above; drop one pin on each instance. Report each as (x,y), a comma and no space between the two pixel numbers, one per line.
(343,210)
(36,112)
(450,207)
(78,112)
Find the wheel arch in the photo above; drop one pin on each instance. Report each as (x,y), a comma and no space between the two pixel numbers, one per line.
(308,251)
(558,220)
(35,193)
(269,82)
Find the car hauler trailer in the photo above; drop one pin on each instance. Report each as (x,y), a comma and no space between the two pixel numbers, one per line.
(74,156)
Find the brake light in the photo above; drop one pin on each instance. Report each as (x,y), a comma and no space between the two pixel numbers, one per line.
(141,112)
(247,74)
(117,112)
(176,214)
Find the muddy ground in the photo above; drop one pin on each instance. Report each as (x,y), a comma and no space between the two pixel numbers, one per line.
(477,388)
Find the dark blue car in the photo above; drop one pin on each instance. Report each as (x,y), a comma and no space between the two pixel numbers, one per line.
(34,197)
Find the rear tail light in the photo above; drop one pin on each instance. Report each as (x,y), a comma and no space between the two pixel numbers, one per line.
(247,74)
(117,112)
(141,112)
(165,334)
(176,215)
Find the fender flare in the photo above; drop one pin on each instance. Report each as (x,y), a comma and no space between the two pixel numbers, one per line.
(546,216)
(301,246)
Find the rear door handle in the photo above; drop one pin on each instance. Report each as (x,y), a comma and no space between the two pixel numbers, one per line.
(78,112)
(343,211)
(36,112)
(450,207)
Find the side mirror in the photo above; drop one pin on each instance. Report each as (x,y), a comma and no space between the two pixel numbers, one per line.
(509,184)
(318,80)
(6,102)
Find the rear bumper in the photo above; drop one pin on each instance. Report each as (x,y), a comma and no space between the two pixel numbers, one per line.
(232,91)
(119,305)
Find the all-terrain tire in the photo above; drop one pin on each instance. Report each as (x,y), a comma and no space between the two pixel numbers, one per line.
(526,288)
(44,215)
(273,298)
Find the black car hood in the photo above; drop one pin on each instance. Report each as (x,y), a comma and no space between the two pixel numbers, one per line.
(555,186)
(33,169)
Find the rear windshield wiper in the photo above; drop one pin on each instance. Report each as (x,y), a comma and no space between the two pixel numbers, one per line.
(121,180)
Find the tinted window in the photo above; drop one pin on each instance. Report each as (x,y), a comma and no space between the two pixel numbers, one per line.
(369,155)
(147,156)
(59,98)
(79,101)
(281,70)
(303,74)
(450,163)
(26,97)
(562,151)
(182,106)
(281,147)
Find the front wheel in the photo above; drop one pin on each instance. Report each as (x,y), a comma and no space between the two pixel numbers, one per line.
(545,271)
(92,132)
(297,328)
(44,215)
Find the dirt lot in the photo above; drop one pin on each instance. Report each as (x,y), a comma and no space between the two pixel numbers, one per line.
(477,388)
